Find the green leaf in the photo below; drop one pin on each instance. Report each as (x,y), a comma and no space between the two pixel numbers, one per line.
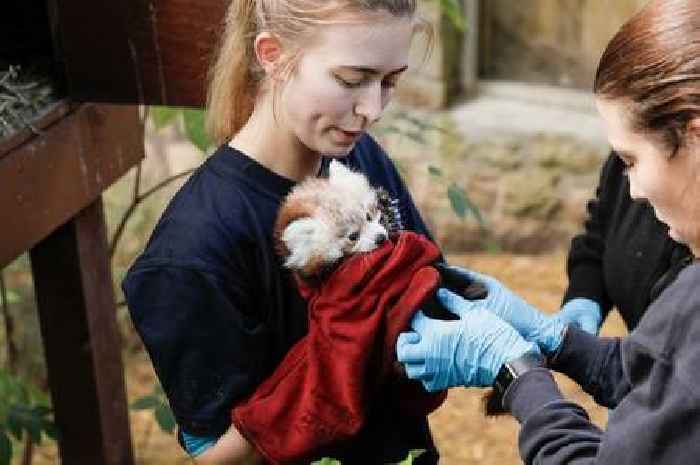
(453,11)
(165,418)
(461,204)
(326,461)
(415,136)
(457,200)
(14,425)
(34,428)
(50,429)
(13,297)
(164,116)
(146,403)
(412,455)
(42,410)
(194,129)
(5,449)
(435,171)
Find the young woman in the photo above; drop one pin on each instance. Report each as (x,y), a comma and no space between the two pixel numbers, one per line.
(295,83)
(648,94)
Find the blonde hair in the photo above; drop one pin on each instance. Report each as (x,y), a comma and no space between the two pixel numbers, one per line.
(235,76)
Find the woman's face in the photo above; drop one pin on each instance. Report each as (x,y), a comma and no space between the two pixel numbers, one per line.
(670,184)
(344,80)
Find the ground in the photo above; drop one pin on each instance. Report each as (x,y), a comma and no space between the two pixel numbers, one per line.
(463,435)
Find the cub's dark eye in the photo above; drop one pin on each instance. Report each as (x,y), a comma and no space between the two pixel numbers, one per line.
(369,217)
(354,236)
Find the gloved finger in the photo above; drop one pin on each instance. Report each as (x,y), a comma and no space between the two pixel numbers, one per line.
(416,371)
(405,339)
(432,385)
(589,325)
(410,353)
(456,303)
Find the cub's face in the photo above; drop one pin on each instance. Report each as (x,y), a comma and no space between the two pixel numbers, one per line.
(324,220)
(362,230)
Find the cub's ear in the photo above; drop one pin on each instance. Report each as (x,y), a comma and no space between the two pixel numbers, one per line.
(304,240)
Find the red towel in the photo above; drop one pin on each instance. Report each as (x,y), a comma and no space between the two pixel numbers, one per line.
(324,388)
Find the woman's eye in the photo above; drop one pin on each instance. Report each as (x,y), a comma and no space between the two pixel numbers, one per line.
(389,84)
(348,84)
(354,236)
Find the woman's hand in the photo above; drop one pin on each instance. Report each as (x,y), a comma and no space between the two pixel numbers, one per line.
(584,313)
(531,323)
(231,449)
(465,352)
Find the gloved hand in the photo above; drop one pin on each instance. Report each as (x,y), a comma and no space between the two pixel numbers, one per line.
(585,313)
(465,352)
(530,322)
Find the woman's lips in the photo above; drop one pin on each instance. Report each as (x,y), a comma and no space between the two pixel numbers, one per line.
(348,136)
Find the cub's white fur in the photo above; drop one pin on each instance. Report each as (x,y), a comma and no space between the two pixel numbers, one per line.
(325,219)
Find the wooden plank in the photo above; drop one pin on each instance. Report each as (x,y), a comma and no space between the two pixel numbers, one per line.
(51,115)
(50,178)
(77,314)
(139,51)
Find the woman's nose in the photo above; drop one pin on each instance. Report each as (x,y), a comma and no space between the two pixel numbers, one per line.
(370,104)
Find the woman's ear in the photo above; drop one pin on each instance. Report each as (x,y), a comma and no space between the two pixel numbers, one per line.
(268,51)
(693,130)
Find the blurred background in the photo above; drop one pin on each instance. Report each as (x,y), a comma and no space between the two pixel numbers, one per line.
(497,138)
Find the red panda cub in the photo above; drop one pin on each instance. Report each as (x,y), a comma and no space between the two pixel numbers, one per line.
(324,220)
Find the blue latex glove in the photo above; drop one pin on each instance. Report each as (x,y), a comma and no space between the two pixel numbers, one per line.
(584,313)
(530,322)
(465,352)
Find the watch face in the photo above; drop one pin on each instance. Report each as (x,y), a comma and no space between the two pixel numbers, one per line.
(504,378)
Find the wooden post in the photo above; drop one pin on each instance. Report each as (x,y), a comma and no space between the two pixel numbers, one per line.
(83,352)
(470,51)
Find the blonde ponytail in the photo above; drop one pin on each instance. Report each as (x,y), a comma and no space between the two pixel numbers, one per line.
(234,75)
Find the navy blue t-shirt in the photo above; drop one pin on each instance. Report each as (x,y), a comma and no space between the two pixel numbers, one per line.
(217,311)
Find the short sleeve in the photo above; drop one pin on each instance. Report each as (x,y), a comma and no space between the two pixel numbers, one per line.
(208,348)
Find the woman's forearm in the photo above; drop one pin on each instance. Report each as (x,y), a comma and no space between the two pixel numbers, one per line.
(231,449)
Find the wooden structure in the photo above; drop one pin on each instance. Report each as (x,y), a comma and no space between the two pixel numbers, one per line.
(111,56)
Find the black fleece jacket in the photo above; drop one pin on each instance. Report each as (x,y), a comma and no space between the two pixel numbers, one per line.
(624,257)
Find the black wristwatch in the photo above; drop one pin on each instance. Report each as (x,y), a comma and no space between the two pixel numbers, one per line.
(512,369)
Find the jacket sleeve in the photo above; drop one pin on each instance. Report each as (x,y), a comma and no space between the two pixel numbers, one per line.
(585,260)
(595,363)
(207,348)
(657,422)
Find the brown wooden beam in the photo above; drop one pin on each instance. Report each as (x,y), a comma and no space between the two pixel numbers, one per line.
(138,51)
(76,304)
(48,179)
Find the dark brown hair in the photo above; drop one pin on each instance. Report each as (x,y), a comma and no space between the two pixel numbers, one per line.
(654,61)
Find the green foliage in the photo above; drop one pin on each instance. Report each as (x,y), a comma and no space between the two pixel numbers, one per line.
(23,411)
(192,121)
(459,200)
(412,455)
(158,404)
(326,461)
(194,129)
(163,116)
(453,10)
